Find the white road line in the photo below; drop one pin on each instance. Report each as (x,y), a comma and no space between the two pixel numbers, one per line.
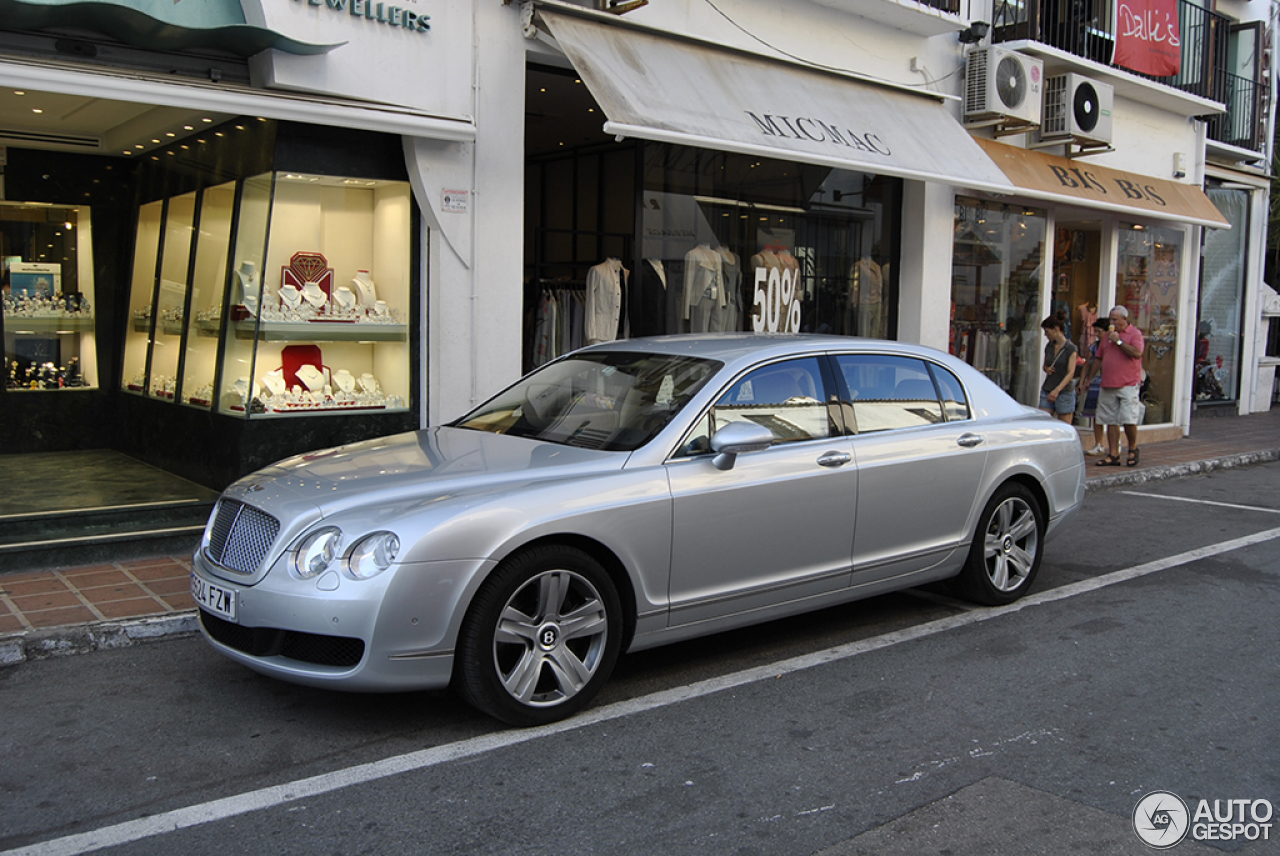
(183,818)
(1203,502)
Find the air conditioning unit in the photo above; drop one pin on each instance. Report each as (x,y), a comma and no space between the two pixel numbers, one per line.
(1002,85)
(1076,109)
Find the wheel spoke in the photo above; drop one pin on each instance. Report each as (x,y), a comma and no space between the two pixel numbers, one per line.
(1003,518)
(514,627)
(1024,526)
(1021,561)
(522,680)
(587,620)
(571,673)
(552,589)
(1000,573)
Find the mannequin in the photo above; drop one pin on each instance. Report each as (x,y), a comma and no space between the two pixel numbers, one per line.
(274,381)
(312,378)
(364,289)
(344,298)
(605,284)
(314,294)
(345,380)
(290,297)
(369,383)
(704,291)
(250,286)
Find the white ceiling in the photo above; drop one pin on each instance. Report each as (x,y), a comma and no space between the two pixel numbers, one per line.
(51,121)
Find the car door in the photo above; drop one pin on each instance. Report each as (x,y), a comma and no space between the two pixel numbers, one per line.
(776,526)
(919,459)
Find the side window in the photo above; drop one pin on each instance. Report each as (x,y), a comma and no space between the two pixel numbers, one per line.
(787,398)
(954,404)
(888,392)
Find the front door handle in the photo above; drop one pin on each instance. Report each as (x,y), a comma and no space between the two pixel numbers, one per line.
(970,440)
(834,459)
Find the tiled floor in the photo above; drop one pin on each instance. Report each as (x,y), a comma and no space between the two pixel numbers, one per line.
(125,589)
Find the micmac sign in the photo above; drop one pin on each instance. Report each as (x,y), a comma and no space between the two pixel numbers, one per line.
(383,13)
(818,131)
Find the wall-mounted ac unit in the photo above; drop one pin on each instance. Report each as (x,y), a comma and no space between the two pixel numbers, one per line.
(1076,109)
(1002,85)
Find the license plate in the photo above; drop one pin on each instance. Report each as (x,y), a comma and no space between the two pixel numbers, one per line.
(215,599)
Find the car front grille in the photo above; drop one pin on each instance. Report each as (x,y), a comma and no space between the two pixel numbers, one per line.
(241,536)
(339,651)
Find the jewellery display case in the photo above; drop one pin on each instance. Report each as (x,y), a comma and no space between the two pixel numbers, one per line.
(278,295)
(46,266)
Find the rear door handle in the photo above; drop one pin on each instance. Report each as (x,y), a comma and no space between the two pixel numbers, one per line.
(970,440)
(834,459)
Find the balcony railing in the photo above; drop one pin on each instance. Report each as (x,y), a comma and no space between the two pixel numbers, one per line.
(1087,29)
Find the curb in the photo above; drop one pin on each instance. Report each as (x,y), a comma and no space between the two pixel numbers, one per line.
(42,644)
(1173,471)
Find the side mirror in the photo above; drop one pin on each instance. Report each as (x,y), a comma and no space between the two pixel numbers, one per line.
(736,438)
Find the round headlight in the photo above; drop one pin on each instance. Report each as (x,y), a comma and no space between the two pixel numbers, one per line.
(373,555)
(317,552)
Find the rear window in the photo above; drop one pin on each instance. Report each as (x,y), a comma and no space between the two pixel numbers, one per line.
(889,392)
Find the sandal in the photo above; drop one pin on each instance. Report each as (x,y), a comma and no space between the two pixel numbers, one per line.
(1109,461)
(1133,458)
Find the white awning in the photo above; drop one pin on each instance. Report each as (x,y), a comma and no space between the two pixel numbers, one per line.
(656,86)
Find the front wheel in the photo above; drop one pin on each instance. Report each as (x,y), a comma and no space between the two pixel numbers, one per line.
(1006,550)
(540,638)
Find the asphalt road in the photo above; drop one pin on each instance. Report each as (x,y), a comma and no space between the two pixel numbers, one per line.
(1145,659)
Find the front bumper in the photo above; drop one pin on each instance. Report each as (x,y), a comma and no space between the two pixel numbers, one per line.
(392,633)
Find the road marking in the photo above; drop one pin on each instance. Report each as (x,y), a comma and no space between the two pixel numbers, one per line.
(264,798)
(1203,502)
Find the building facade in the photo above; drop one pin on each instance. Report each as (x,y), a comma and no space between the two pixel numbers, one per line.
(301,222)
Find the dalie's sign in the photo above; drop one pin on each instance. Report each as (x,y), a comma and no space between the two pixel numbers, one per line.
(382,13)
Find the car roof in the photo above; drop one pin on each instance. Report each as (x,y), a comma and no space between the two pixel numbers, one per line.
(731,348)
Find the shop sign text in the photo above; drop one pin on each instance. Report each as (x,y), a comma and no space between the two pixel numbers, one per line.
(818,131)
(383,13)
(1081,179)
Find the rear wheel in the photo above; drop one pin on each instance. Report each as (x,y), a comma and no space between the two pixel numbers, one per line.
(540,638)
(1006,550)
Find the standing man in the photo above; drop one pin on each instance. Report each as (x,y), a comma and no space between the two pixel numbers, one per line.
(1120,352)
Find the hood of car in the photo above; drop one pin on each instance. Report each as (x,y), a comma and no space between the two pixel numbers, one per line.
(434,461)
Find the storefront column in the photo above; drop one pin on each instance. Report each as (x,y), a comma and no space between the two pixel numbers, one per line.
(924,283)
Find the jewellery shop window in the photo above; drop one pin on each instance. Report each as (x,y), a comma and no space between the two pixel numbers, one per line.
(46,267)
(1149,277)
(996,269)
(303,279)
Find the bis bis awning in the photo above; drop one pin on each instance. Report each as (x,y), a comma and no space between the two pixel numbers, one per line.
(664,88)
(1056,179)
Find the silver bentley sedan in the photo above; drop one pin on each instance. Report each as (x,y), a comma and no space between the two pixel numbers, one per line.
(625,496)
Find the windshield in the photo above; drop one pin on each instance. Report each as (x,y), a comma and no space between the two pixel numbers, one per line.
(610,400)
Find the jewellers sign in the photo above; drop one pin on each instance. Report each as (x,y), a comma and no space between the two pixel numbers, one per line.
(382,13)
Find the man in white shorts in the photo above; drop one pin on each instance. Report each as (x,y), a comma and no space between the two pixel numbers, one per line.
(1120,352)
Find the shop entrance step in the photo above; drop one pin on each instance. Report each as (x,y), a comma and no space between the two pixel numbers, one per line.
(83,536)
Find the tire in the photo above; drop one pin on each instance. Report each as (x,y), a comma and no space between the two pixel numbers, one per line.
(1006,550)
(540,638)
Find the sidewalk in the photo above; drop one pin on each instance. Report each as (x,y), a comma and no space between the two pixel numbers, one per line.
(114,604)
